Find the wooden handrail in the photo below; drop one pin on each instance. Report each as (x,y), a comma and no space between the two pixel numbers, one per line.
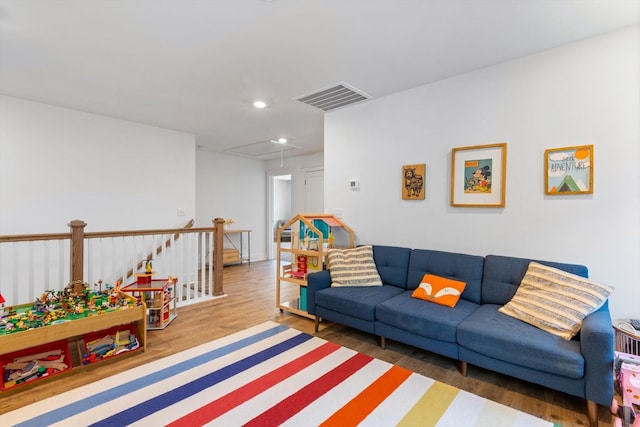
(34,237)
(101,234)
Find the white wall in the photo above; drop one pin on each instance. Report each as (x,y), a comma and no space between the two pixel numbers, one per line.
(233,187)
(58,164)
(282,199)
(583,93)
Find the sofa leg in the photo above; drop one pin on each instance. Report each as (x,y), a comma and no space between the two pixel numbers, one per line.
(383,342)
(317,323)
(592,413)
(463,368)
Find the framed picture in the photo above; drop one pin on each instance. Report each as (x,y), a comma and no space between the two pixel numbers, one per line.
(478,176)
(568,170)
(413,182)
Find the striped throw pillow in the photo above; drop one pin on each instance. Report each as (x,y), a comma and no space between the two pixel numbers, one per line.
(353,267)
(554,300)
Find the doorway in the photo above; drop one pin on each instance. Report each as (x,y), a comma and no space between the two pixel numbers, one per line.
(280,200)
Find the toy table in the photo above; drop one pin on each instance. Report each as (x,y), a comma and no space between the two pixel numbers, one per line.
(74,328)
(159,297)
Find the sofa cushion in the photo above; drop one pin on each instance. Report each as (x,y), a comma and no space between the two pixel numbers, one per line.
(498,336)
(424,318)
(439,290)
(392,263)
(466,268)
(353,267)
(554,300)
(358,302)
(503,275)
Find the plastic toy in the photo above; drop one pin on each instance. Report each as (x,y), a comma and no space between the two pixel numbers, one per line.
(627,369)
(59,306)
(110,345)
(2,302)
(33,366)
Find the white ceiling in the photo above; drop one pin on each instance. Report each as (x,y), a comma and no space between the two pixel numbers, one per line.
(197,65)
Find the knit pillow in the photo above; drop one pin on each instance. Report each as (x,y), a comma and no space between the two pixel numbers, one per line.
(353,267)
(440,290)
(554,300)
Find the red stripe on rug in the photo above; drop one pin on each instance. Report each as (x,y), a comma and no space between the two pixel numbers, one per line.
(235,398)
(364,403)
(302,398)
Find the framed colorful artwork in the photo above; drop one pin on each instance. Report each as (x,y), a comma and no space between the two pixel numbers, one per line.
(413,182)
(568,170)
(479,176)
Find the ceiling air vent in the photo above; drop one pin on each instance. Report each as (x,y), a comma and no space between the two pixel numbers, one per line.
(334,97)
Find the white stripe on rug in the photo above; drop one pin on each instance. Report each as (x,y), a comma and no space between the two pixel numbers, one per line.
(126,382)
(268,375)
(140,395)
(210,394)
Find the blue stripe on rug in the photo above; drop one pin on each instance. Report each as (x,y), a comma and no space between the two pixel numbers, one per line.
(143,409)
(89,402)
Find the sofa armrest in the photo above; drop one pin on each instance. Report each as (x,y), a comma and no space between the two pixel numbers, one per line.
(315,282)
(596,344)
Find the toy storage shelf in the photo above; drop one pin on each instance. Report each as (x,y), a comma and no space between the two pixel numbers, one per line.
(293,306)
(74,330)
(160,299)
(307,253)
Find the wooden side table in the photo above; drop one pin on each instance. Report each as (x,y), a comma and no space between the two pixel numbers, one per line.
(627,339)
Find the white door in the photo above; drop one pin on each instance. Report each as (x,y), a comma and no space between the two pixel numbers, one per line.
(314,192)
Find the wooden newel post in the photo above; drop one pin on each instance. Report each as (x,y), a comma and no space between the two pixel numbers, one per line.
(218,248)
(77,249)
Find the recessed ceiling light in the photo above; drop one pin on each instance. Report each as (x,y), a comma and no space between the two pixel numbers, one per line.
(259,104)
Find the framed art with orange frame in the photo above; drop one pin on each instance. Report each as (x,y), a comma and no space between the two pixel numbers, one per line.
(479,176)
(568,170)
(413,182)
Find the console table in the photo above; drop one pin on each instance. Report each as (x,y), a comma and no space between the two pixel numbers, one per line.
(236,253)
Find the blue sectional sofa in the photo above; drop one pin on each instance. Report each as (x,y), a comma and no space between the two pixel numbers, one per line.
(473,331)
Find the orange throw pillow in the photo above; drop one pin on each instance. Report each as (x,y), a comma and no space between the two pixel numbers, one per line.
(439,290)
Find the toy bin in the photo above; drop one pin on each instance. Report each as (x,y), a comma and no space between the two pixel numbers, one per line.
(108,343)
(34,363)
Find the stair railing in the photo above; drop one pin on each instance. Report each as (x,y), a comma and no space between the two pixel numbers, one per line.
(33,264)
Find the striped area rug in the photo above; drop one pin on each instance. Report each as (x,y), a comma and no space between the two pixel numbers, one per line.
(265,376)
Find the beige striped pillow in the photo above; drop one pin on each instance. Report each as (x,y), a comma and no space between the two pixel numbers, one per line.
(353,267)
(554,300)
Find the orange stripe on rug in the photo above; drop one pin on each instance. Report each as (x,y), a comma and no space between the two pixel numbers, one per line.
(293,404)
(431,406)
(366,401)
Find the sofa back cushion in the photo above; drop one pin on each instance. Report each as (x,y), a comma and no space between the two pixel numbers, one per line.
(392,263)
(456,266)
(502,276)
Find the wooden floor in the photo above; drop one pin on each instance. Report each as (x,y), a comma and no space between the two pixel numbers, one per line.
(250,300)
